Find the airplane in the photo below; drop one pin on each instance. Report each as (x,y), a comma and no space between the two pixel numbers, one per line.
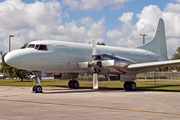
(67,59)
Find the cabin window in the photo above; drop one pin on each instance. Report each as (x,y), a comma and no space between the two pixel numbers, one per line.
(43,47)
(36,46)
(31,45)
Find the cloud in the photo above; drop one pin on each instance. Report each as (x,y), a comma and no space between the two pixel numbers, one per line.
(126,17)
(86,21)
(43,20)
(172,45)
(43,13)
(18,15)
(28,22)
(124,35)
(170,7)
(91,31)
(66,15)
(114,34)
(93,4)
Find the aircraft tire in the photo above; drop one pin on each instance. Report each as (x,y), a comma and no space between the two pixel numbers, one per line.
(38,89)
(132,86)
(126,86)
(70,84)
(34,88)
(75,84)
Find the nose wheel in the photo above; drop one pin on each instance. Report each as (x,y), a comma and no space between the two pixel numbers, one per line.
(129,86)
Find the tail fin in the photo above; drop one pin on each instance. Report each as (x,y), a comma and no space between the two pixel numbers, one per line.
(158,43)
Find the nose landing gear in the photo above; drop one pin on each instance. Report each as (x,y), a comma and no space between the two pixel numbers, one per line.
(37,88)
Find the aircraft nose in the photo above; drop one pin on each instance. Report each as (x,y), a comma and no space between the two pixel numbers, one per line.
(13,58)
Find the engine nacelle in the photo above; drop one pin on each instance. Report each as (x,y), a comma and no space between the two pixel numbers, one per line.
(128,77)
(119,63)
(123,77)
(66,76)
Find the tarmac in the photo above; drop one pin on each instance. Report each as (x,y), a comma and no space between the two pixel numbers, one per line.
(58,103)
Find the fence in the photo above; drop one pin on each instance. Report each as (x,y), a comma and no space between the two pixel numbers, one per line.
(157,74)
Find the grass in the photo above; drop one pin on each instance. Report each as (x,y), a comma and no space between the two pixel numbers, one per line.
(159,85)
(148,85)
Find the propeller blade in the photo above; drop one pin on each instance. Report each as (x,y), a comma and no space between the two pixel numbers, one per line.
(93,64)
(95,81)
(94,50)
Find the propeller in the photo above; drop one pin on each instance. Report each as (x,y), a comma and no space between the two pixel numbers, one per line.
(95,64)
(94,55)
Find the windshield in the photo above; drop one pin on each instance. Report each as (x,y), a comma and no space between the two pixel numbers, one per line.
(42,47)
(36,46)
(31,46)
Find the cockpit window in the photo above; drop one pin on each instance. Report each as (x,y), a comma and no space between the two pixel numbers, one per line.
(43,47)
(36,46)
(31,45)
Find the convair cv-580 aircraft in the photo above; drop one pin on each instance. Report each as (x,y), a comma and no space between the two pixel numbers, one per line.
(67,59)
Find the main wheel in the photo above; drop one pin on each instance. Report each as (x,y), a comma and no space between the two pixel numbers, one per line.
(38,89)
(133,86)
(76,84)
(126,86)
(34,88)
(70,84)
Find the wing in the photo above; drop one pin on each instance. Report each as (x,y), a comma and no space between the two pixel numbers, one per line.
(151,65)
(119,65)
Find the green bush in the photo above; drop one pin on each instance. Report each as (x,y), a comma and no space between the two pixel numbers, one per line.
(140,77)
(151,77)
(163,77)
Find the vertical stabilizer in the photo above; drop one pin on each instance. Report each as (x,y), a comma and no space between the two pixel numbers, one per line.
(158,43)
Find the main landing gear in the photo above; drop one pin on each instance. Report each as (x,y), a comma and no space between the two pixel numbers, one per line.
(129,86)
(37,88)
(73,84)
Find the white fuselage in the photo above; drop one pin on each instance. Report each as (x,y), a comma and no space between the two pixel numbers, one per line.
(62,57)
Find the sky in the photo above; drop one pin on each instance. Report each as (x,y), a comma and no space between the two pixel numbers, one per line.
(114,22)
